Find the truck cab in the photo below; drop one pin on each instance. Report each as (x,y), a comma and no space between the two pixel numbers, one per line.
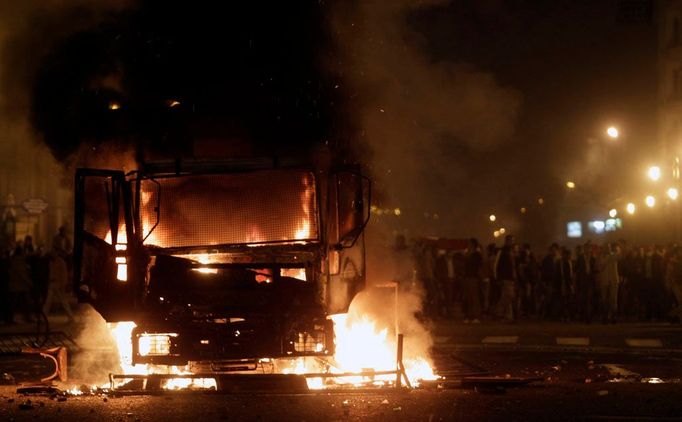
(222,263)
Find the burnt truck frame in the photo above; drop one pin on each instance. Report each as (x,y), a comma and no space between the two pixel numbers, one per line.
(246,302)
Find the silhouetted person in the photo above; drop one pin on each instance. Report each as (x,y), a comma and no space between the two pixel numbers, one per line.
(584,282)
(607,283)
(20,284)
(505,271)
(550,272)
(471,283)
(5,297)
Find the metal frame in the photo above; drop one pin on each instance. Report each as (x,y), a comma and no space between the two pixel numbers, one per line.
(399,373)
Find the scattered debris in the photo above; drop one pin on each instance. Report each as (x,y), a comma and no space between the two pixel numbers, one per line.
(27,405)
(39,389)
(7,379)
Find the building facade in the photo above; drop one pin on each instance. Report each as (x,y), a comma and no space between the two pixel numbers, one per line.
(35,192)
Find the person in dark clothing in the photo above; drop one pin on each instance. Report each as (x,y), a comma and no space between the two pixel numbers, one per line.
(584,282)
(550,272)
(490,286)
(471,283)
(5,299)
(444,287)
(653,287)
(39,264)
(505,270)
(567,288)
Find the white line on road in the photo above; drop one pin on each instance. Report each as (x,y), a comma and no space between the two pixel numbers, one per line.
(643,342)
(500,339)
(573,341)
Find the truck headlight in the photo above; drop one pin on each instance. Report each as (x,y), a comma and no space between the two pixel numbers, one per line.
(156,344)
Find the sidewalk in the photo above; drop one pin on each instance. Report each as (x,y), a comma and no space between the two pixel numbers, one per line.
(628,337)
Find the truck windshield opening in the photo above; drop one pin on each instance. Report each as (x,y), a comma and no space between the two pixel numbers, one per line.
(265,207)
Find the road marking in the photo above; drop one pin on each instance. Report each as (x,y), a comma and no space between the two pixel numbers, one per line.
(619,371)
(441,339)
(573,341)
(500,339)
(643,342)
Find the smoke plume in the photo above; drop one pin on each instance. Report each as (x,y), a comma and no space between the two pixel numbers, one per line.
(431,126)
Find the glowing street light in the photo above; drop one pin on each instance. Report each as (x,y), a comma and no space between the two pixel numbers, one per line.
(654,173)
(570,185)
(650,201)
(672,193)
(613,213)
(496,233)
(492,217)
(502,230)
(612,132)
(630,208)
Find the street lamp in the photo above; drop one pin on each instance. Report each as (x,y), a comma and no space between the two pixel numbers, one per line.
(612,132)
(570,185)
(672,193)
(630,208)
(654,173)
(650,201)
(492,217)
(613,213)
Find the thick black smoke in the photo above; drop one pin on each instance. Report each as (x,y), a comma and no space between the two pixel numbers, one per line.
(187,77)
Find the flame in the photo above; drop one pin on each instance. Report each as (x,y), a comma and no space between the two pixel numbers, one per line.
(148,219)
(361,345)
(204,259)
(122,334)
(303,230)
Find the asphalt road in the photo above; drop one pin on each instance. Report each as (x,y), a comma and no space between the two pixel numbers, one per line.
(576,386)
(607,379)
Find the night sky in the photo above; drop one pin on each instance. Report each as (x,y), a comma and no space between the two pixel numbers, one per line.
(458,109)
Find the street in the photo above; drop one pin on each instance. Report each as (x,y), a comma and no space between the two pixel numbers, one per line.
(597,382)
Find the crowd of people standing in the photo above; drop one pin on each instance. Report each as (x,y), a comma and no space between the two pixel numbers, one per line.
(609,282)
(32,278)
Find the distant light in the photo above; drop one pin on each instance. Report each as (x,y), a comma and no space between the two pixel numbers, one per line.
(541,201)
(113,105)
(654,173)
(672,193)
(574,229)
(173,103)
(570,185)
(612,132)
(523,210)
(496,233)
(630,208)
(502,230)
(650,201)
(492,217)
(397,211)
(613,213)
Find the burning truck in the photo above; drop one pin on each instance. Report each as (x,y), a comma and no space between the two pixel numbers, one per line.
(221,265)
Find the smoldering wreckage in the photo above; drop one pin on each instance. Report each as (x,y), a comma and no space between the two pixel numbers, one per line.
(245,273)
(208,282)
